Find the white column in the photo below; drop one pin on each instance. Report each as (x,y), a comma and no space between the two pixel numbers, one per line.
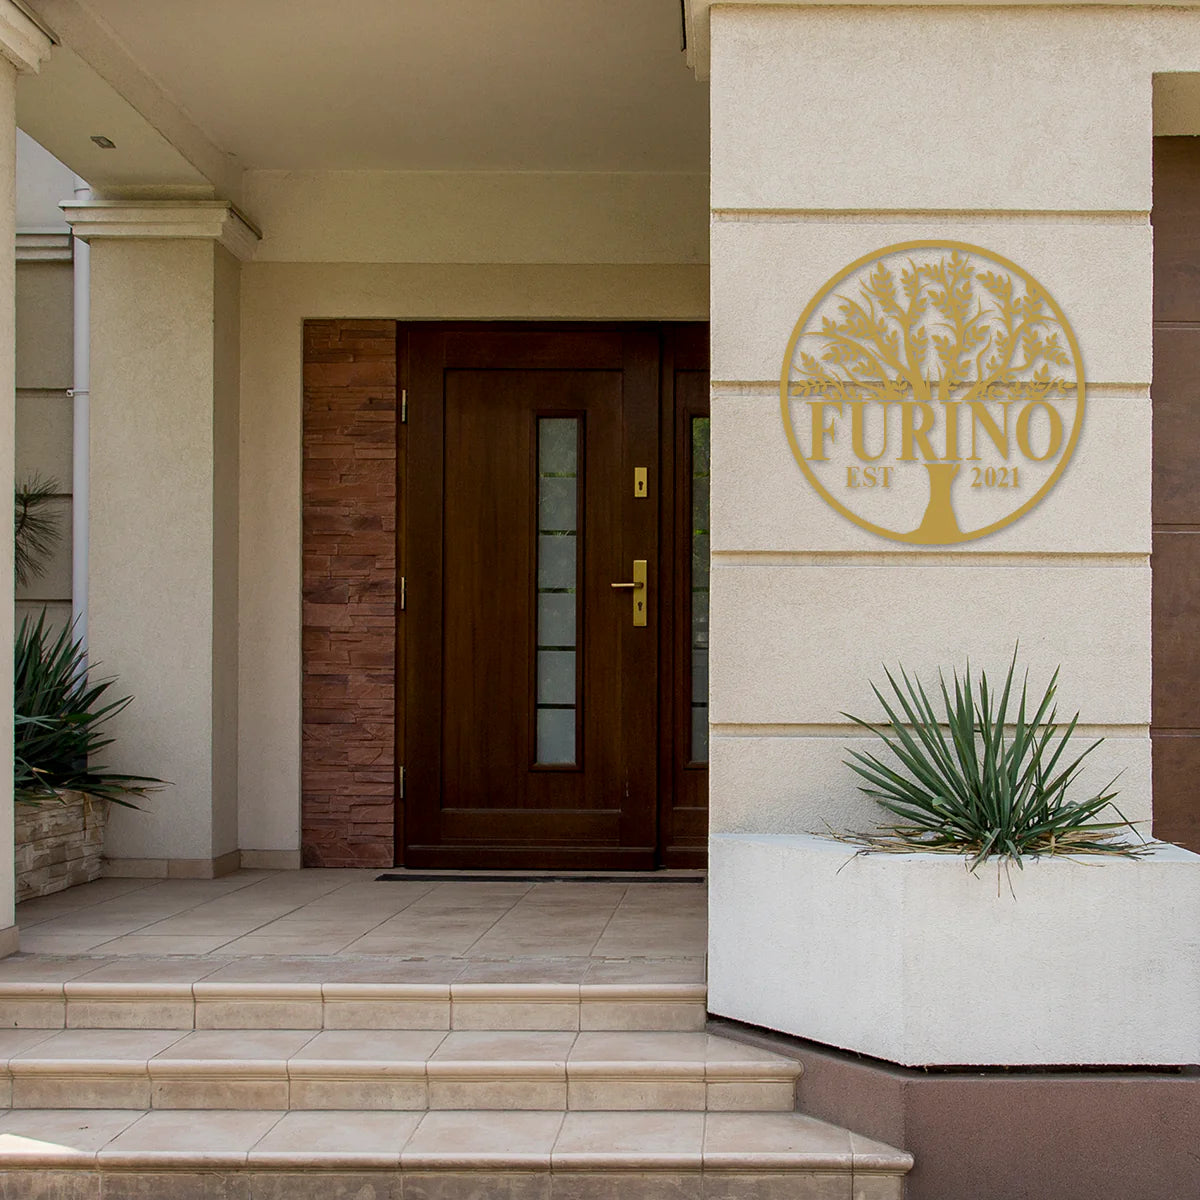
(163,517)
(23,48)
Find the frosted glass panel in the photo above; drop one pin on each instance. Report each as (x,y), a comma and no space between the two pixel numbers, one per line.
(558,446)
(556,618)
(556,561)
(556,677)
(557,689)
(556,736)
(699,596)
(556,504)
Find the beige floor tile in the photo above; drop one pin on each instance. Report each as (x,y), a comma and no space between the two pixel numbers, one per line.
(504,1046)
(334,1135)
(639,1047)
(272,970)
(82,1130)
(29,968)
(217,1132)
(251,1045)
(763,1140)
(61,944)
(483,1139)
(136,943)
(526,970)
(77,1045)
(254,945)
(151,970)
(599,1139)
(436,970)
(367,1047)
(17,1041)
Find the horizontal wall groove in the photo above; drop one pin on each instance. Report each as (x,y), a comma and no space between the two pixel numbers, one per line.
(769,389)
(848,730)
(900,216)
(928,558)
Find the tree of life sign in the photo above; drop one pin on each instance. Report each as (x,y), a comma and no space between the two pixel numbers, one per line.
(932,392)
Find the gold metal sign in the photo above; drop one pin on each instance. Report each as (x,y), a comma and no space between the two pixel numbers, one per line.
(932,392)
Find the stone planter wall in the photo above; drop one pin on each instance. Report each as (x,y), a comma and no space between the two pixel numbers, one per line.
(58,844)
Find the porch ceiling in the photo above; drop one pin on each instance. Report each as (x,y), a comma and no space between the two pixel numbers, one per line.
(571,85)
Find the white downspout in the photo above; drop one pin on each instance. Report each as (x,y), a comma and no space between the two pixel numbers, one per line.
(80,471)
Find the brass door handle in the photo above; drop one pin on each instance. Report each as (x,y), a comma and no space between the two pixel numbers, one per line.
(637,585)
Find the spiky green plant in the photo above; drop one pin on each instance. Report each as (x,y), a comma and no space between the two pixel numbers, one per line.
(36,527)
(60,722)
(986,784)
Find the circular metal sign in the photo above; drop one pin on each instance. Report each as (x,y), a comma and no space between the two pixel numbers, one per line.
(932,392)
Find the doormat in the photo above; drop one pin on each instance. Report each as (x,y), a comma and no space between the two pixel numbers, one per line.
(464,877)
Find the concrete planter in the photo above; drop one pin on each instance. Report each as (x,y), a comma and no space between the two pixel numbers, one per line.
(909,958)
(58,844)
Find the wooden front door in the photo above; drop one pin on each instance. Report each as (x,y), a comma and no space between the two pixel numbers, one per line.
(533,481)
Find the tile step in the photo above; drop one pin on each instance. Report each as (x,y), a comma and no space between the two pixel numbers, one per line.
(391,1069)
(417,1155)
(80,1004)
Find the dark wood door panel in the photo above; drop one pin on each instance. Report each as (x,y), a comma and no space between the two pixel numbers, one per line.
(482,788)
(1176,766)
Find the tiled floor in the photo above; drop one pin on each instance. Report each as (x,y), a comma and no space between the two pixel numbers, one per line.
(572,929)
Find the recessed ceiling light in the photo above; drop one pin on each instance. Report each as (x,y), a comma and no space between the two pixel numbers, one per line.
(103,142)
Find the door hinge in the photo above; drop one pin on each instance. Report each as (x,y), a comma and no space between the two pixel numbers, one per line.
(403,593)
(401,783)
(404,406)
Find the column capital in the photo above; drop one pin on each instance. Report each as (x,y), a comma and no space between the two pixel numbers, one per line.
(22,40)
(216,220)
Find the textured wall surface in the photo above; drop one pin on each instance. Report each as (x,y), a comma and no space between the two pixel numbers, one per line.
(349,634)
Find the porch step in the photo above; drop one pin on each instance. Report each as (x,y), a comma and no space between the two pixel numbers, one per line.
(80,1004)
(391,1069)
(466,1155)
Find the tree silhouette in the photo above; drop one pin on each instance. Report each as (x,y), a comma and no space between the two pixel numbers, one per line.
(940,332)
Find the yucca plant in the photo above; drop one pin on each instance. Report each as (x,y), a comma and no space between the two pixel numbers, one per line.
(987,784)
(36,527)
(60,718)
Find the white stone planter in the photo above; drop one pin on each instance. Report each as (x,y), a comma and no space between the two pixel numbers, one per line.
(909,958)
(57,844)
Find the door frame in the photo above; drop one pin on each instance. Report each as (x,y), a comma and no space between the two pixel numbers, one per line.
(682,346)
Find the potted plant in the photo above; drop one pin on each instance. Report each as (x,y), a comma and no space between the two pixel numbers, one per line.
(900,947)
(61,792)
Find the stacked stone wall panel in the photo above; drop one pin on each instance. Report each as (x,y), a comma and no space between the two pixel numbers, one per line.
(349,591)
(57,844)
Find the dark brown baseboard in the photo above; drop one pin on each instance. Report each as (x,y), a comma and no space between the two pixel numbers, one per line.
(1004,1134)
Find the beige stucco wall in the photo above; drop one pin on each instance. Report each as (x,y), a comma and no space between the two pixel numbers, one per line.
(1032,160)
(276,299)
(44,306)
